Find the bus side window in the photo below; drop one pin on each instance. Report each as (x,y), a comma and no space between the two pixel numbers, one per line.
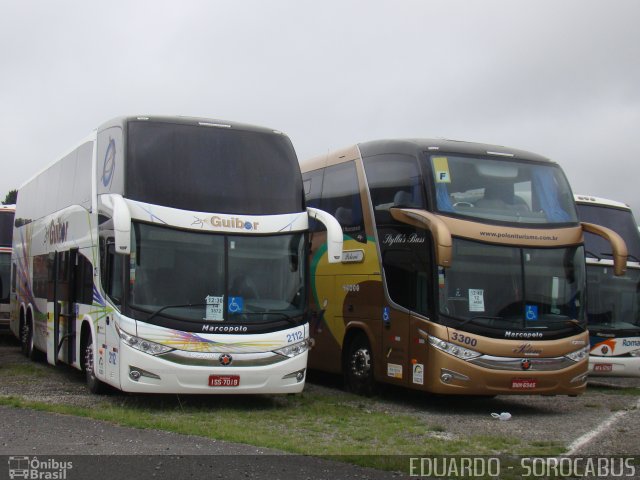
(84,281)
(341,198)
(112,272)
(111,265)
(312,182)
(407,266)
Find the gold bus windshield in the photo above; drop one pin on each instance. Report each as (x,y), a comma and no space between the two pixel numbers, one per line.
(502,287)
(504,190)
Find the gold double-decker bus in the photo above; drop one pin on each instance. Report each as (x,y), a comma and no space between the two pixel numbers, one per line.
(463,269)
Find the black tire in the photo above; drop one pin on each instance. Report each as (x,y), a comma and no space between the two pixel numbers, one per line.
(358,367)
(26,340)
(88,363)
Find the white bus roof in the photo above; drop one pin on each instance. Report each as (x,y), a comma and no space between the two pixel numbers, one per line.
(605,202)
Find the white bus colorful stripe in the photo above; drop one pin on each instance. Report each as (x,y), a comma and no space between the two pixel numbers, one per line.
(168,255)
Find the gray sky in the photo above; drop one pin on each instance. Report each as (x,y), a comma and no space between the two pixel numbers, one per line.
(557,77)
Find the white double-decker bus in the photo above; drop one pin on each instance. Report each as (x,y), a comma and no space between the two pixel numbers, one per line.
(168,255)
(613,307)
(6,230)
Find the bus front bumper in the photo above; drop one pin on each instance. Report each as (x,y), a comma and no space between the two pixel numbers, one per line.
(614,366)
(451,375)
(196,373)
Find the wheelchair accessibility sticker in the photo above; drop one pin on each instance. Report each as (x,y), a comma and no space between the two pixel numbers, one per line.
(235,304)
(386,318)
(531,312)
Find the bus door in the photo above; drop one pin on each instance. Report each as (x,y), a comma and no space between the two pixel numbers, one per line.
(405,262)
(394,352)
(61,345)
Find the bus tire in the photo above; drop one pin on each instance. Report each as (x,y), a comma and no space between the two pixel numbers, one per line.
(26,337)
(358,369)
(88,365)
(26,340)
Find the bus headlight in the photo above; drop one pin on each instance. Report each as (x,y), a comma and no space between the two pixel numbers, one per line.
(453,349)
(293,350)
(635,353)
(143,345)
(579,354)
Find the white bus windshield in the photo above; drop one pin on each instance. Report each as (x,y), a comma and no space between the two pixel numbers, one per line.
(212,169)
(210,278)
(619,220)
(614,302)
(6,229)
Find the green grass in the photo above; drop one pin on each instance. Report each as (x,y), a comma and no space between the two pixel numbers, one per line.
(307,424)
(632,391)
(19,370)
(345,427)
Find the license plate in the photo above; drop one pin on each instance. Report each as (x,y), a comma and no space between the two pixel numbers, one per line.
(224,380)
(603,367)
(524,383)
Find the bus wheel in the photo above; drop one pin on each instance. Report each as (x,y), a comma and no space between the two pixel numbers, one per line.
(26,338)
(94,385)
(358,368)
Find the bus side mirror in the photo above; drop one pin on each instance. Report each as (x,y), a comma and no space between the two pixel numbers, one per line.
(428,221)
(121,225)
(334,233)
(618,247)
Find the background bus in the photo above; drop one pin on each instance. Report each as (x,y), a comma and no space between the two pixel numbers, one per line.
(613,307)
(6,232)
(168,255)
(463,270)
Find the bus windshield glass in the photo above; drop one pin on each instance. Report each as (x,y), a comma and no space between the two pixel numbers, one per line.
(502,190)
(212,169)
(619,220)
(5,275)
(6,228)
(211,278)
(614,302)
(505,287)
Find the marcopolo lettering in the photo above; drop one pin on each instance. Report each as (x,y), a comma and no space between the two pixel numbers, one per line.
(224,329)
(524,335)
(233,222)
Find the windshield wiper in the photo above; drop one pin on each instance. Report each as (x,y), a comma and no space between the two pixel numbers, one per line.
(591,254)
(286,317)
(632,257)
(572,321)
(161,309)
(478,317)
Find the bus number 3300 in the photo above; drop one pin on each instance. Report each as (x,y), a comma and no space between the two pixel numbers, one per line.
(464,339)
